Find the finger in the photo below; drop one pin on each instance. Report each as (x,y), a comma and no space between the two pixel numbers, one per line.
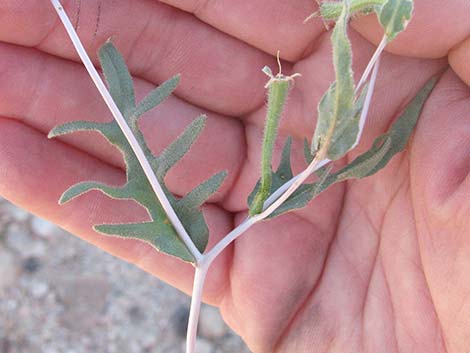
(219,72)
(35,172)
(441,194)
(435,28)
(265,24)
(441,149)
(44,91)
(288,242)
(459,57)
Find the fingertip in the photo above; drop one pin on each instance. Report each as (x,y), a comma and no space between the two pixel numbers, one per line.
(459,58)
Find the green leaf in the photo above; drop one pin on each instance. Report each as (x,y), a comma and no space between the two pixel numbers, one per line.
(331,10)
(280,176)
(337,125)
(157,231)
(384,148)
(308,156)
(394,16)
(283,174)
(121,88)
(199,195)
(176,150)
(346,134)
(118,78)
(74,127)
(157,96)
(160,235)
(82,188)
(304,194)
(388,145)
(188,209)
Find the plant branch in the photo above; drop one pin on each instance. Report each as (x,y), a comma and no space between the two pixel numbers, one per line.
(203,262)
(366,107)
(281,194)
(270,205)
(157,188)
(383,43)
(196,301)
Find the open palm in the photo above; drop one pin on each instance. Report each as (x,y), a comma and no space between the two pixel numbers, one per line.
(376,265)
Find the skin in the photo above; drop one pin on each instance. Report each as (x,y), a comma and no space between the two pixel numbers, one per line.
(377,265)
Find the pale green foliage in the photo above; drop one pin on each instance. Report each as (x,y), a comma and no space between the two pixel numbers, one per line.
(382,151)
(331,10)
(282,175)
(276,99)
(394,16)
(158,230)
(339,113)
(278,89)
(338,121)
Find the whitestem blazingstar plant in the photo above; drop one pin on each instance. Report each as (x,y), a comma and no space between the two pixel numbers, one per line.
(177,226)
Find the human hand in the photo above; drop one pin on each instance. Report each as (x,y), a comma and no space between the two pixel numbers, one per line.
(374,265)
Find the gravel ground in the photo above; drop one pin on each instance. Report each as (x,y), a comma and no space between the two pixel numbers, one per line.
(77,298)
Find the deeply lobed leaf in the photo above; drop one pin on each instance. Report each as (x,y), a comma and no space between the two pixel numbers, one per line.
(158,232)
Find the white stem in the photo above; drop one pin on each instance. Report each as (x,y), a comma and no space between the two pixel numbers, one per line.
(366,108)
(375,57)
(271,204)
(288,184)
(295,185)
(210,256)
(196,300)
(157,188)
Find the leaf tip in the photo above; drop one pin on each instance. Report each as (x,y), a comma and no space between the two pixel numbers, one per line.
(64,199)
(51,134)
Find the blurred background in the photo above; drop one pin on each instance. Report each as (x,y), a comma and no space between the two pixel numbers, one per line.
(59,294)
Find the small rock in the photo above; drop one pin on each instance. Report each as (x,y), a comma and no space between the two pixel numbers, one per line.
(233,343)
(10,305)
(31,264)
(8,269)
(211,324)
(17,238)
(83,297)
(89,291)
(179,320)
(39,289)
(12,212)
(136,314)
(204,346)
(42,227)
(18,214)
(20,241)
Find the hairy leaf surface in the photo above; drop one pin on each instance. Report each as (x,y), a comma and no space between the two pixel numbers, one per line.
(384,148)
(331,10)
(158,230)
(394,17)
(337,125)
